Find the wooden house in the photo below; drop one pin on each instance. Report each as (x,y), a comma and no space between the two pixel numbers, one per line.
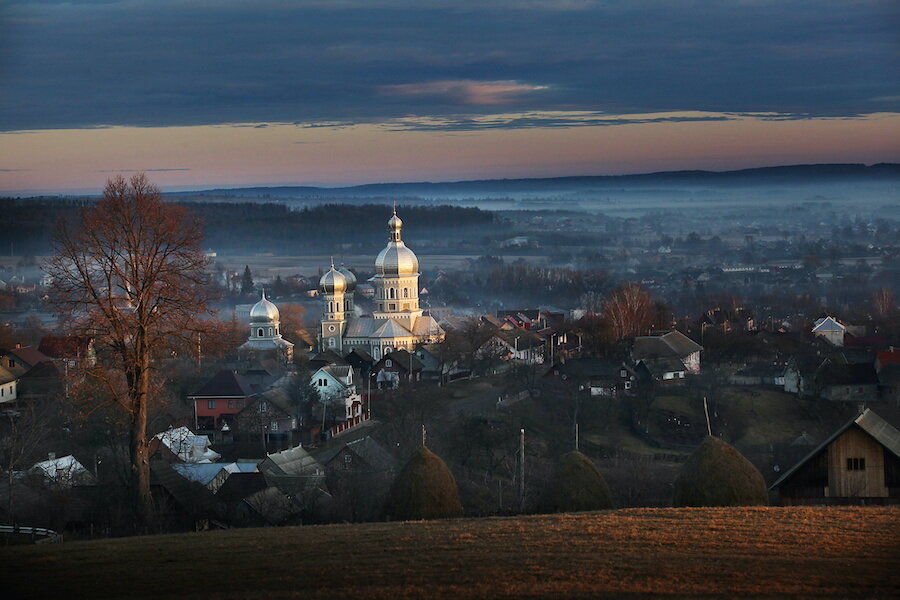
(858,464)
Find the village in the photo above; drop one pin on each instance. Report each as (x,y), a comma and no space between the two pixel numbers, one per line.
(251,429)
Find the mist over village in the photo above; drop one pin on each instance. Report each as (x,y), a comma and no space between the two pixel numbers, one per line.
(449,300)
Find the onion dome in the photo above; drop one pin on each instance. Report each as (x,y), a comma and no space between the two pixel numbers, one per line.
(349,276)
(264,311)
(333,282)
(396,258)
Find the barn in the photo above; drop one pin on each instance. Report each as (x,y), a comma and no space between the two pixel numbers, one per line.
(858,464)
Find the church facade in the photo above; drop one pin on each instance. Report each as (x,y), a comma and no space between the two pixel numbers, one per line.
(397,321)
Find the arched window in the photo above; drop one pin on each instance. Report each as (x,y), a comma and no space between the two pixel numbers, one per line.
(406,292)
(391,294)
(270,331)
(259,332)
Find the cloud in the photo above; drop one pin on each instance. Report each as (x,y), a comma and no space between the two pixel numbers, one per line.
(207,62)
(14,170)
(483,93)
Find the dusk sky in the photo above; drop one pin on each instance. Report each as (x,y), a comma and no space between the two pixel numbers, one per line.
(216,93)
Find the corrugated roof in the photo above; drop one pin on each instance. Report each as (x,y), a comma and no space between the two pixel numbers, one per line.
(391,329)
(882,431)
(29,355)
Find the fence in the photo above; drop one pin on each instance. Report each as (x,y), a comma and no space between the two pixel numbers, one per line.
(38,534)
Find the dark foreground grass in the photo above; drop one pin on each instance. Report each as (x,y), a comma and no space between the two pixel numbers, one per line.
(633,553)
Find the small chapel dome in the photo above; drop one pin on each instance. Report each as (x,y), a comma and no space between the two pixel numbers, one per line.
(333,282)
(264,311)
(349,276)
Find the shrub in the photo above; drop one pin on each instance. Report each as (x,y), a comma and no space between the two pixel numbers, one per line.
(424,489)
(716,474)
(577,485)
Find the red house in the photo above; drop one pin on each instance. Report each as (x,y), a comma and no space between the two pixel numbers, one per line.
(222,397)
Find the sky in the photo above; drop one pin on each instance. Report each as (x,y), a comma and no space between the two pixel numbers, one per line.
(220,93)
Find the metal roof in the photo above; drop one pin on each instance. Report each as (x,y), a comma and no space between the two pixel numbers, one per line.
(883,432)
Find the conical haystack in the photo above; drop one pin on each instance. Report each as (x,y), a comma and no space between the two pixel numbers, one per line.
(424,489)
(576,486)
(716,474)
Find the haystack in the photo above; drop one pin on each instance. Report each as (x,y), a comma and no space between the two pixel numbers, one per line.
(424,489)
(716,474)
(577,485)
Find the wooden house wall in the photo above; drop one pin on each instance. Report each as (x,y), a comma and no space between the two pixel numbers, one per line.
(867,483)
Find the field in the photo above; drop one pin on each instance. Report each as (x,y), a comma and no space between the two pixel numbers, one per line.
(633,553)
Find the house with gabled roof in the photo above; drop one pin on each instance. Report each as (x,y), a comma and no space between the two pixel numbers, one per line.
(858,464)
(830,330)
(333,381)
(220,398)
(667,344)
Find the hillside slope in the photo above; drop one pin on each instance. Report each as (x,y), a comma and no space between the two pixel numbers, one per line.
(752,552)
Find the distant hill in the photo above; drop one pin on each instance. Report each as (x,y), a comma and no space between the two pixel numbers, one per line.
(786,175)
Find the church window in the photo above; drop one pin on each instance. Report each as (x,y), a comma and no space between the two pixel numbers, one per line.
(259,332)
(270,331)
(406,292)
(391,294)
(331,328)
(392,306)
(406,306)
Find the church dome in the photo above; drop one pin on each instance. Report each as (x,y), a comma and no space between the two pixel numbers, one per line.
(333,282)
(349,277)
(264,311)
(396,258)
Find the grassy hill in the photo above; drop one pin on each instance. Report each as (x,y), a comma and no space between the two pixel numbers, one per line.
(639,553)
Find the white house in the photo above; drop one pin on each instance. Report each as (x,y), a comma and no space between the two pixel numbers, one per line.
(831,330)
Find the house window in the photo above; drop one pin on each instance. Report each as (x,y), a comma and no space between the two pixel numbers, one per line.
(274,426)
(388,363)
(240,403)
(623,373)
(11,363)
(263,406)
(627,385)
(856,464)
(211,404)
(231,404)
(323,382)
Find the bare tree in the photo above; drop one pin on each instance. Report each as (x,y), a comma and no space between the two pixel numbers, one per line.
(629,311)
(23,431)
(130,274)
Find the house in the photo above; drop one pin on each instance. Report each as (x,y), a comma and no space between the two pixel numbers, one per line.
(738,319)
(269,415)
(63,472)
(831,330)
(843,382)
(73,351)
(600,377)
(435,364)
(363,454)
(361,361)
(800,374)
(667,370)
(518,345)
(333,380)
(396,368)
(668,344)
(183,445)
(214,475)
(20,360)
(858,464)
(7,386)
(220,398)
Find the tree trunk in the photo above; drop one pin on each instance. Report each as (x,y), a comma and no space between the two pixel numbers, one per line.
(140,450)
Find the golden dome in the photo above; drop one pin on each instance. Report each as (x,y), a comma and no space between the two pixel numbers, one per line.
(264,311)
(333,282)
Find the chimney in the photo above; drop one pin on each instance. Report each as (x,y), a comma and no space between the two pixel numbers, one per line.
(51,456)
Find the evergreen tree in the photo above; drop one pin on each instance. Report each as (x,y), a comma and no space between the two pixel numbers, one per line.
(247,281)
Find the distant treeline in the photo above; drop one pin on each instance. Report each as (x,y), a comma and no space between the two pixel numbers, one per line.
(252,227)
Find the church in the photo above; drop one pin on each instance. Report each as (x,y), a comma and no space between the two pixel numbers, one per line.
(265,341)
(396,323)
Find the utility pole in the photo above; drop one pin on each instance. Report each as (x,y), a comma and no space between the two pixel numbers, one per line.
(706,412)
(522,470)
(423,435)
(576,436)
